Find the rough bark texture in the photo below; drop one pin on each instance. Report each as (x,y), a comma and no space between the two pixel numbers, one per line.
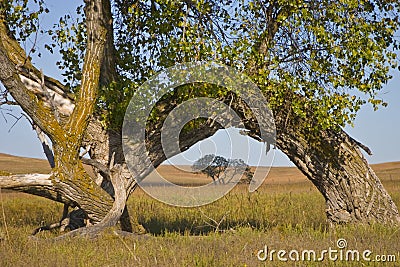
(35,184)
(114,214)
(72,180)
(339,170)
(333,162)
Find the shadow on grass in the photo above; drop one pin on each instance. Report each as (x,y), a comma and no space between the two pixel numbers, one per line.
(159,227)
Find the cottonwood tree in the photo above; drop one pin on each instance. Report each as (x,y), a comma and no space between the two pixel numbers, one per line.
(311,59)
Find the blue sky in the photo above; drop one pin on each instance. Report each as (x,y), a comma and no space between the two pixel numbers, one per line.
(379,130)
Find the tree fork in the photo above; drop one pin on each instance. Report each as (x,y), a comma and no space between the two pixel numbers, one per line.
(332,160)
(69,178)
(113,215)
(72,176)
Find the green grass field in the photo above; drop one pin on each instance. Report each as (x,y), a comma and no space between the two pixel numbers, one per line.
(285,214)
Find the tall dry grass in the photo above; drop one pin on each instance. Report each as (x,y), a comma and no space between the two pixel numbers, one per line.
(228,232)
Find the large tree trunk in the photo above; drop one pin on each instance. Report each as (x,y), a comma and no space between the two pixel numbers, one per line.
(330,159)
(333,162)
(336,166)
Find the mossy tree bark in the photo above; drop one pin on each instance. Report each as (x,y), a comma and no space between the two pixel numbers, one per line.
(332,160)
(72,180)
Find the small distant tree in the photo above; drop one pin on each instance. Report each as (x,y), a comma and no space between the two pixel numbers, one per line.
(219,169)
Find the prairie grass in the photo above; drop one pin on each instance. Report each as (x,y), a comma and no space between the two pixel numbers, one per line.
(229,232)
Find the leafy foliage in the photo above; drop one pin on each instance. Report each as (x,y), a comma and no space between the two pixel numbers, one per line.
(239,166)
(23,17)
(330,52)
(211,165)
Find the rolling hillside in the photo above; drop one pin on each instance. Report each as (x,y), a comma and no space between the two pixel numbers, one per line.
(278,175)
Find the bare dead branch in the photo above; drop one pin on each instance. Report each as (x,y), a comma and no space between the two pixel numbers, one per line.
(16,120)
(8,102)
(362,146)
(11,58)
(25,180)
